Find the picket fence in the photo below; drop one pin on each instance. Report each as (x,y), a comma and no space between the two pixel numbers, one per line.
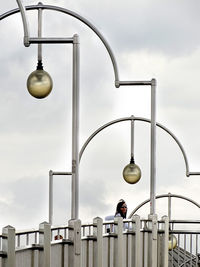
(119,243)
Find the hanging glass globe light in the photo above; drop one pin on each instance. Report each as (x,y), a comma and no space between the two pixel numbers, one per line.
(39,83)
(172,243)
(132,172)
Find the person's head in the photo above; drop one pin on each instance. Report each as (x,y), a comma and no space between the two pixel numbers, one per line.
(121,208)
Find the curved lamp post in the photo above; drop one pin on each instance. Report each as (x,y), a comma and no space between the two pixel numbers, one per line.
(75,120)
(90,138)
(34,77)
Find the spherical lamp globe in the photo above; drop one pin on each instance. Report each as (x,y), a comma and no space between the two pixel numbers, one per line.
(132,173)
(172,243)
(39,83)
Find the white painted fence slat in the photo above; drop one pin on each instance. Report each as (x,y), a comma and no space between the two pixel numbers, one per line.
(8,245)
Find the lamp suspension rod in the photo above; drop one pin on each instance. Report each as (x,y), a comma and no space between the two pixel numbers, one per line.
(40,34)
(132,137)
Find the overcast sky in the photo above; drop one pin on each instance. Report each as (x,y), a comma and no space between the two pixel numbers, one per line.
(150,39)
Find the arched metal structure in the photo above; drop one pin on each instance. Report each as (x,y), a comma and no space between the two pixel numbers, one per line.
(169,196)
(132,118)
(151,83)
(72,14)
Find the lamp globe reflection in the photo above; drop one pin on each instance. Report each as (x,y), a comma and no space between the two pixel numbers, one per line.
(39,82)
(172,243)
(132,172)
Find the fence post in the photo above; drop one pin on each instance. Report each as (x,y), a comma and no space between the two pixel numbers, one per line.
(98,232)
(45,242)
(138,261)
(153,239)
(75,248)
(8,245)
(164,244)
(119,231)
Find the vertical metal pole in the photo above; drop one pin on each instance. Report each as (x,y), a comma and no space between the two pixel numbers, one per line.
(153,147)
(169,206)
(75,129)
(132,137)
(165,240)
(153,240)
(50,197)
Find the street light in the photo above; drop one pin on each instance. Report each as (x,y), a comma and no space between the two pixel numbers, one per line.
(75,109)
(39,82)
(132,172)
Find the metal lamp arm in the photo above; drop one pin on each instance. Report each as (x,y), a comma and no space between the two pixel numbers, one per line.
(25,23)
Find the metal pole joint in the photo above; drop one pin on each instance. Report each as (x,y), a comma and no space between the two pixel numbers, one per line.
(117,84)
(153,82)
(76,39)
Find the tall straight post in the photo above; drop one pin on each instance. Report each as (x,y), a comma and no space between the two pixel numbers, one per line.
(169,206)
(50,197)
(153,148)
(75,129)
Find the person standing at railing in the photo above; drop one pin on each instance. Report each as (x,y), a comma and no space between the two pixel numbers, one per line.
(121,209)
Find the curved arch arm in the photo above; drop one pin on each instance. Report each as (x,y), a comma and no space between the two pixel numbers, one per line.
(99,130)
(162,196)
(71,13)
(188,173)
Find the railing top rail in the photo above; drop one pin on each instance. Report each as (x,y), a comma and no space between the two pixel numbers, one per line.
(184,232)
(24,232)
(185,221)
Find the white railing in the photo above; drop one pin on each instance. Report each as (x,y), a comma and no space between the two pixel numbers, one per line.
(118,243)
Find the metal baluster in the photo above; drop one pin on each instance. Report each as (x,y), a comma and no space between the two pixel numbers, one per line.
(65,233)
(191,249)
(197,250)
(35,237)
(27,239)
(90,230)
(184,249)
(178,241)
(18,240)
